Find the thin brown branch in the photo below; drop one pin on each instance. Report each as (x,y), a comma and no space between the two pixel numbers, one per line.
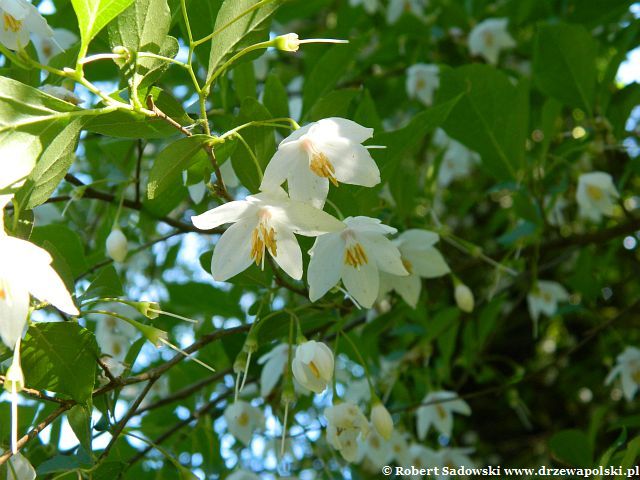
(37,394)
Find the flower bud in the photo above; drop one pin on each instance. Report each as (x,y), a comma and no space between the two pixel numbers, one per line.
(464,297)
(148,309)
(382,421)
(288,43)
(313,365)
(117,246)
(14,380)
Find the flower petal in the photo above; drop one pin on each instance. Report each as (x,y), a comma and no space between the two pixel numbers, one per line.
(408,287)
(305,219)
(342,127)
(416,239)
(368,225)
(228,213)
(288,253)
(286,158)
(47,286)
(326,264)
(14,309)
(305,186)
(352,162)
(232,254)
(427,263)
(362,284)
(386,254)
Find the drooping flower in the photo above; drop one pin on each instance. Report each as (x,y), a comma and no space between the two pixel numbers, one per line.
(595,195)
(439,412)
(457,160)
(345,425)
(489,37)
(628,369)
(464,297)
(18,20)
(370,6)
(454,458)
(117,245)
(265,222)
(398,7)
(377,449)
(355,254)
(274,361)
(382,421)
(545,298)
(313,365)
(19,468)
(329,150)
(420,258)
(422,81)
(61,93)
(48,47)
(420,457)
(399,446)
(243,420)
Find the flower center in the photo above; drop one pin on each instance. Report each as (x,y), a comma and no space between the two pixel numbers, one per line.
(407,265)
(374,442)
(3,293)
(319,163)
(636,376)
(314,369)
(421,84)
(594,193)
(11,23)
(488,39)
(243,419)
(442,413)
(263,236)
(355,256)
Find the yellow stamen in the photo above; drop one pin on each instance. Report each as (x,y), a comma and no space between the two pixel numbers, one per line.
(488,39)
(595,193)
(421,84)
(263,236)
(442,413)
(243,419)
(355,256)
(407,265)
(3,294)
(314,370)
(11,23)
(321,166)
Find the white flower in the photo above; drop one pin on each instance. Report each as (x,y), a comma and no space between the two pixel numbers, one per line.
(464,298)
(18,20)
(545,298)
(114,338)
(370,6)
(117,245)
(329,150)
(20,468)
(266,221)
(457,159)
(313,365)
(378,450)
(382,421)
(356,389)
(48,47)
(420,258)
(555,215)
(439,412)
(345,424)
(628,369)
(356,255)
(61,93)
(242,420)
(454,458)
(243,475)
(399,447)
(422,81)
(489,37)
(419,457)
(275,361)
(398,7)
(595,195)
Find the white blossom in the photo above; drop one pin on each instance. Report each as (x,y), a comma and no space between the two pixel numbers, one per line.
(489,37)
(419,457)
(265,222)
(61,93)
(377,449)
(422,82)
(345,426)
(382,421)
(117,245)
(420,258)
(313,365)
(275,362)
(628,369)
(243,420)
(439,412)
(545,298)
(19,468)
(453,458)
(19,19)
(596,195)
(355,254)
(464,298)
(398,7)
(329,150)
(457,160)
(47,47)
(370,6)
(114,338)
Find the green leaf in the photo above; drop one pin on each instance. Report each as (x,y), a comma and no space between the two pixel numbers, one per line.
(572,447)
(244,81)
(80,421)
(333,104)
(60,357)
(67,242)
(94,15)
(276,99)
(107,284)
(239,24)
(171,161)
(564,64)
(491,117)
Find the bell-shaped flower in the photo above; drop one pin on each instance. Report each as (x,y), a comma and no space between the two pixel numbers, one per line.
(243,420)
(275,362)
(377,450)
(313,365)
(596,195)
(420,258)
(399,446)
(370,6)
(345,425)
(628,369)
(382,421)
(48,47)
(329,150)
(438,411)
(545,298)
(19,468)
(453,458)
(18,20)
(464,297)
(420,457)
(398,7)
(265,222)
(356,255)
(457,160)
(489,37)
(422,82)
(117,245)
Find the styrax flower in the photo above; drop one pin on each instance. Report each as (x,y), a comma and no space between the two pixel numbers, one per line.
(628,369)
(489,37)
(595,195)
(457,160)
(464,297)
(545,298)
(377,449)
(382,421)
(242,420)
(398,7)
(313,365)
(420,258)
(329,150)
(117,245)
(274,362)
(345,424)
(356,255)
(422,81)
(47,47)
(265,222)
(62,93)
(19,468)
(18,20)
(439,412)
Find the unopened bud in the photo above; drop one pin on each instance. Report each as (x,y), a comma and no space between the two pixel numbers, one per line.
(464,298)
(14,380)
(124,52)
(288,43)
(382,421)
(117,245)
